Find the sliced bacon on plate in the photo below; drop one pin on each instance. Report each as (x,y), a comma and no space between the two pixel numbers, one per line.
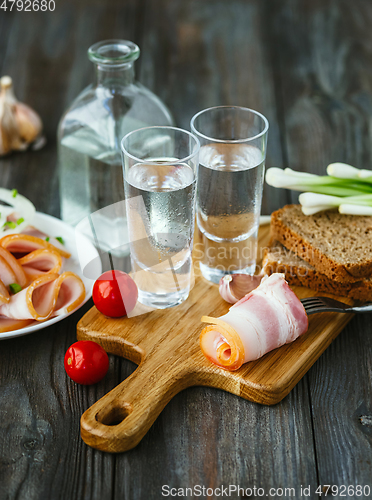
(7,275)
(4,294)
(266,318)
(47,296)
(10,269)
(8,325)
(71,293)
(22,244)
(40,262)
(33,231)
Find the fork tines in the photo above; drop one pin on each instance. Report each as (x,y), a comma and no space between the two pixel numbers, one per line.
(312,304)
(324,304)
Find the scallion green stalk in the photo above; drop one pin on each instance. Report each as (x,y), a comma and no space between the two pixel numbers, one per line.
(322,184)
(347,188)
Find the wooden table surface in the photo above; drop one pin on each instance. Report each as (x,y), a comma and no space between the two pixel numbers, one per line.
(306,65)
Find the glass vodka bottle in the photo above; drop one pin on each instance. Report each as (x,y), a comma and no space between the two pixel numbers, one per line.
(89,136)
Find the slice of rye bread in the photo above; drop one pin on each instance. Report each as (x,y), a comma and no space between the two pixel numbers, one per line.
(337,245)
(298,272)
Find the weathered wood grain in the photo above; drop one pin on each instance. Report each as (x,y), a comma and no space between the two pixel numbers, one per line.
(304,64)
(212,53)
(325,52)
(41,453)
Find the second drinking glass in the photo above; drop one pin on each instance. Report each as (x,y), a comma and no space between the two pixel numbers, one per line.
(230,181)
(160,169)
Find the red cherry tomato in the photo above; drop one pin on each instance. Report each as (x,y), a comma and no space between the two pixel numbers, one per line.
(115,294)
(86,362)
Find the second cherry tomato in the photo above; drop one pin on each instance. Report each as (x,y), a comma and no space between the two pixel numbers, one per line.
(86,362)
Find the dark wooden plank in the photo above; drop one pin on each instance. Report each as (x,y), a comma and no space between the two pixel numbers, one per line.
(194,55)
(323,52)
(41,453)
(213,53)
(341,395)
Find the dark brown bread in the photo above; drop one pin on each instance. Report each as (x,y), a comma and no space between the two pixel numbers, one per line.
(337,245)
(278,259)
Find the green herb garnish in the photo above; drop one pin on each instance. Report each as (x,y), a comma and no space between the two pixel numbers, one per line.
(15,288)
(60,239)
(20,220)
(10,224)
(14,193)
(47,238)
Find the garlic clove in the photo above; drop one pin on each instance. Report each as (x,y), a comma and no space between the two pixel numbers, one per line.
(233,287)
(29,122)
(19,124)
(9,138)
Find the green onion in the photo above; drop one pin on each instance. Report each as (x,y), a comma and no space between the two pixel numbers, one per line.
(301,181)
(60,239)
(347,188)
(354,209)
(15,288)
(47,238)
(342,171)
(10,224)
(14,193)
(20,220)
(313,203)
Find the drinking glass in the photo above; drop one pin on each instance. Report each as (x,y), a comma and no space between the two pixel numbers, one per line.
(230,181)
(160,170)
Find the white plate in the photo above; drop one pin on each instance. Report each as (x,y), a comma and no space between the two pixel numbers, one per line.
(55,227)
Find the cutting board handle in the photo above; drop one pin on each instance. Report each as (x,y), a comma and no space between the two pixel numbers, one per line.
(120,419)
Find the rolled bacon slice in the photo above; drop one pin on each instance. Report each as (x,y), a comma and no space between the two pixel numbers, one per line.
(266,318)
(10,269)
(25,243)
(47,296)
(40,262)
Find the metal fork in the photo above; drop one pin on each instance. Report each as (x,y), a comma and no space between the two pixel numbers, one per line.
(314,305)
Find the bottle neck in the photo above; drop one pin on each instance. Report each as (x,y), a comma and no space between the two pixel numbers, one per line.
(114,76)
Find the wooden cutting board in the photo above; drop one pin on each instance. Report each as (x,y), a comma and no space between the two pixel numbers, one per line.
(165,345)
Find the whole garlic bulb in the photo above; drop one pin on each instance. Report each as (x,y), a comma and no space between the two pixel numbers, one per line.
(19,124)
